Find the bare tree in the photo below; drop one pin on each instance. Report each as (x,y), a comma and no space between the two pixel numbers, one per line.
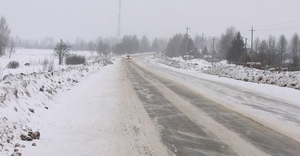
(11,47)
(92,47)
(4,35)
(61,51)
(262,52)
(102,48)
(256,44)
(272,52)
(282,45)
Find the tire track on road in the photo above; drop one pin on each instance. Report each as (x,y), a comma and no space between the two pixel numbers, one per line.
(136,124)
(267,110)
(263,138)
(179,133)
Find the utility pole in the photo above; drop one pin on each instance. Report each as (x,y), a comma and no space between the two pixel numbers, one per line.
(119,20)
(212,55)
(186,41)
(202,42)
(251,46)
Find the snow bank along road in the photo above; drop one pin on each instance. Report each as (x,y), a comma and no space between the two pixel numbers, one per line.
(194,123)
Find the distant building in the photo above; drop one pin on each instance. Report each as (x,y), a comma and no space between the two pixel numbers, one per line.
(209,58)
(192,54)
(252,53)
(188,57)
(256,65)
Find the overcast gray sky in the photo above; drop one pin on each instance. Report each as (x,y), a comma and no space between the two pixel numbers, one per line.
(89,19)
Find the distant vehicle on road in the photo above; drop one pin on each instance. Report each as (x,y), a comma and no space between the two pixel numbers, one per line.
(128,57)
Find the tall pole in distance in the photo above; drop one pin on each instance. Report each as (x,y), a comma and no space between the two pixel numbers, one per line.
(202,42)
(119,20)
(186,41)
(251,46)
(212,59)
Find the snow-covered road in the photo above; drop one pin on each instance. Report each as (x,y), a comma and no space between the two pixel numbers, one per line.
(275,107)
(100,116)
(265,116)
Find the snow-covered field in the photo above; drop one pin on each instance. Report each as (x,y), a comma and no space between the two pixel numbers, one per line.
(36,60)
(27,93)
(222,69)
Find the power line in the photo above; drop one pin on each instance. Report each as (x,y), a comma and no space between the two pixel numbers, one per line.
(279,26)
(282,28)
(274,24)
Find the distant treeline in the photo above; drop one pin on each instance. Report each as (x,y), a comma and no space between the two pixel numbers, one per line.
(127,44)
(230,46)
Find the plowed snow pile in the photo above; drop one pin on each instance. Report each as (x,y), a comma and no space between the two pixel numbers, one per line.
(222,69)
(283,79)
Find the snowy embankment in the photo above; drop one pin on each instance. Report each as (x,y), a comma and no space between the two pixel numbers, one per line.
(222,69)
(283,79)
(26,98)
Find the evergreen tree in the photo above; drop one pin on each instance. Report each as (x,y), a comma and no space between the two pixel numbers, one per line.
(173,47)
(186,46)
(162,42)
(205,51)
(128,45)
(135,44)
(225,41)
(237,51)
(145,45)
(155,45)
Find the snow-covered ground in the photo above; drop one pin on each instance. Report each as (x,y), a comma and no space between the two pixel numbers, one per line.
(36,60)
(28,93)
(222,69)
(30,99)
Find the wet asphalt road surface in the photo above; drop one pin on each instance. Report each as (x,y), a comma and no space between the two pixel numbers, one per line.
(185,137)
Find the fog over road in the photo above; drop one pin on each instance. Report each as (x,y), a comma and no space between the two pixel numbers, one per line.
(192,123)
